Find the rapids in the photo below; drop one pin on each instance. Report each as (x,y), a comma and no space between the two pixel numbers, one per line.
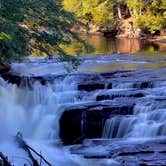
(34,109)
(35,114)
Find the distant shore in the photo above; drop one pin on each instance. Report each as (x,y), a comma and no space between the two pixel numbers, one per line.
(161,39)
(157,39)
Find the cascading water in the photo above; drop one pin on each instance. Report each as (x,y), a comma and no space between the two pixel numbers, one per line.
(148,119)
(34,112)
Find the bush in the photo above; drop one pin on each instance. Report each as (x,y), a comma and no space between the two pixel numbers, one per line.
(150,23)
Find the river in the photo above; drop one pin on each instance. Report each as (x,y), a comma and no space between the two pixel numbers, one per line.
(113,105)
(108,45)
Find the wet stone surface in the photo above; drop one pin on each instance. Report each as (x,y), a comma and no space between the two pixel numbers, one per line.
(85,121)
(124,152)
(104,99)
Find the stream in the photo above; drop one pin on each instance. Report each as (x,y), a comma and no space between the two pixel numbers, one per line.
(108,112)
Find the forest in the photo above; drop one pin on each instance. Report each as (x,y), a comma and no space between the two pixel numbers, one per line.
(149,16)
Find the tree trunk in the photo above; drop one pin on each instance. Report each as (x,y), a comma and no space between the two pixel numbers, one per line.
(119,12)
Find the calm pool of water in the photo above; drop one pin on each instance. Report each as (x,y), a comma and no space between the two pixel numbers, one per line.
(107,45)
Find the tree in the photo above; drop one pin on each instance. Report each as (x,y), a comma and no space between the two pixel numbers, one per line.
(136,7)
(30,25)
(97,12)
(149,15)
(152,18)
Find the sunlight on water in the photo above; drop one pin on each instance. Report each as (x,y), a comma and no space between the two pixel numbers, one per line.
(109,45)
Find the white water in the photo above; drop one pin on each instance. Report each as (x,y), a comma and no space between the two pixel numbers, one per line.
(35,113)
(148,119)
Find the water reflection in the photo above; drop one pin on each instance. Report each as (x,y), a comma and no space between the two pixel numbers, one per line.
(128,45)
(107,45)
(130,66)
(101,44)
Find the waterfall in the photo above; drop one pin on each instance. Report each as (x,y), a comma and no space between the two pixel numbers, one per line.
(35,113)
(122,104)
(148,119)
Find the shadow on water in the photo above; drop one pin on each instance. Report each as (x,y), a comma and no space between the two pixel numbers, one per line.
(108,45)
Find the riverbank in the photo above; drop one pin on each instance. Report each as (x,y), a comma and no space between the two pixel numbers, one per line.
(157,39)
(126,28)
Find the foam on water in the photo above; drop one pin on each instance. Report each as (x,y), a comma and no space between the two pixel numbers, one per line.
(35,113)
(148,119)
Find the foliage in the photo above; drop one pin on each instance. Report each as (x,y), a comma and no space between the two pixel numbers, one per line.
(150,23)
(102,14)
(91,11)
(28,26)
(136,7)
(150,15)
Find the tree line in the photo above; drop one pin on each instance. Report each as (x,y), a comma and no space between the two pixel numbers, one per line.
(148,15)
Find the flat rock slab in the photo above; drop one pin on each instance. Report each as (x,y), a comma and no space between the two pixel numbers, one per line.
(124,152)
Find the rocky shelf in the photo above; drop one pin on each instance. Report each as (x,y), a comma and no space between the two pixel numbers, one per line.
(124,152)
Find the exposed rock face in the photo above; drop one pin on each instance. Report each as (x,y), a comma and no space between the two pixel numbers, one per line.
(99,97)
(87,121)
(109,96)
(91,87)
(127,28)
(124,110)
(124,152)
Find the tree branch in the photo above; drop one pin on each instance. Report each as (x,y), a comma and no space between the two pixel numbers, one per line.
(28,149)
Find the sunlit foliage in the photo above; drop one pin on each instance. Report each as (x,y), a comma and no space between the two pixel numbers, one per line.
(150,15)
(34,26)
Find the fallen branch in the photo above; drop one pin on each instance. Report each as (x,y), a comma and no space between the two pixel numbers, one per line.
(28,149)
(5,160)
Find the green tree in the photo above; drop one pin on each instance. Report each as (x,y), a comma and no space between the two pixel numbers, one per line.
(150,15)
(97,12)
(136,7)
(150,23)
(30,25)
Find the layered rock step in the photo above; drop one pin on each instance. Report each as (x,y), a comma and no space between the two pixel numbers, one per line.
(97,97)
(124,152)
(87,121)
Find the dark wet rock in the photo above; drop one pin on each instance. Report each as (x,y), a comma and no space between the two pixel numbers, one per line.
(110,33)
(91,86)
(143,85)
(4,70)
(86,121)
(28,81)
(113,96)
(14,79)
(109,86)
